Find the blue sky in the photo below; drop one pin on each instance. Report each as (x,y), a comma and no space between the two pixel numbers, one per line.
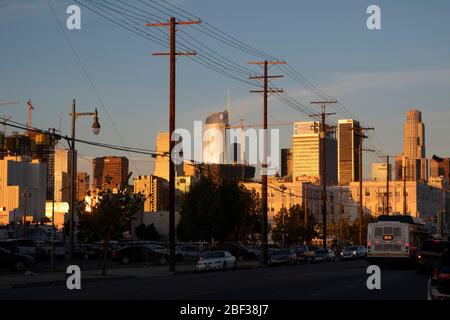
(378,75)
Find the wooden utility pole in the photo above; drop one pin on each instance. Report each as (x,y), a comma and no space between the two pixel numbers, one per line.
(323,174)
(405,208)
(361,135)
(266,91)
(172,23)
(306,206)
(387,185)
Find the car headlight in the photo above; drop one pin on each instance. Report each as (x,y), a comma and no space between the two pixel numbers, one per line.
(354,252)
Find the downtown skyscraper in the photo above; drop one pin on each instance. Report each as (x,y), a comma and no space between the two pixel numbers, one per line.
(348,146)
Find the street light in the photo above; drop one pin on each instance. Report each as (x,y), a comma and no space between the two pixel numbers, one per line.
(96,131)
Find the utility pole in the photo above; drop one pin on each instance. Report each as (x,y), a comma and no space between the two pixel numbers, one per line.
(405,207)
(323,180)
(172,23)
(360,133)
(25,196)
(265,77)
(306,206)
(387,184)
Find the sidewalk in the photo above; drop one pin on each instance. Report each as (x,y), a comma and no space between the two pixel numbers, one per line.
(41,279)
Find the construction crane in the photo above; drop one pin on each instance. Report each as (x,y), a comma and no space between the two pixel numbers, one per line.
(29,113)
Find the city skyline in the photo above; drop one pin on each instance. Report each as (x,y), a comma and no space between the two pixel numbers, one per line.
(399,76)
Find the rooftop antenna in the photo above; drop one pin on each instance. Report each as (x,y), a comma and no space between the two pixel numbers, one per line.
(229,105)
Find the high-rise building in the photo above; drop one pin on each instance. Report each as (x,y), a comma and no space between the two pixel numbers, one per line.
(110,172)
(286,163)
(380,171)
(162,159)
(214,138)
(348,146)
(155,191)
(414,135)
(412,163)
(83,181)
(22,189)
(306,159)
(62,175)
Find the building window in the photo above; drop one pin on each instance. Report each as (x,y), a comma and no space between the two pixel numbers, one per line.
(367,192)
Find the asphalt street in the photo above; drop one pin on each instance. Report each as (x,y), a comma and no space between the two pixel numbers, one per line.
(341,280)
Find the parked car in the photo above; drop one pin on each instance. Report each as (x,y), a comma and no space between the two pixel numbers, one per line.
(239,251)
(323,255)
(190,252)
(353,252)
(15,261)
(21,246)
(44,249)
(141,254)
(86,251)
(439,283)
(217,260)
(302,252)
(283,257)
(429,253)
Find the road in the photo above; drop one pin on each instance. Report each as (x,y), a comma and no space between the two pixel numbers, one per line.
(340,280)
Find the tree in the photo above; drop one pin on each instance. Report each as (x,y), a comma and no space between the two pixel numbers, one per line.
(147,233)
(294,225)
(220,209)
(110,218)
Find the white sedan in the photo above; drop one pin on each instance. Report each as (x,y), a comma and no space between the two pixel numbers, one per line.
(216,260)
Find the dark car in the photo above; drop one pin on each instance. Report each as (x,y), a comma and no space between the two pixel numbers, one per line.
(15,261)
(439,284)
(142,254)
(302,252)
(87,251)
(283,257)
(239,251)
(430,251)
(323,255)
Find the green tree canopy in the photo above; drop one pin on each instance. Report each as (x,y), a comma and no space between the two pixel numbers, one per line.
(219,209)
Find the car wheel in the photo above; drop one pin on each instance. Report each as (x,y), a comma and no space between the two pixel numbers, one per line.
(162,260)
(125,260)
(19,266)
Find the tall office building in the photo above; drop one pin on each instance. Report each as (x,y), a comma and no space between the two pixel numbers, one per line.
(412,163)
(214,138)
(162,159)
(348,146)
(62,175)
(155,191)
(414,135)
(83,181)
(306,157)
(110,172)
(286,163)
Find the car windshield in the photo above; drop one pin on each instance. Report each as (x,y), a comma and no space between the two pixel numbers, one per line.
(218,254)
(435,246)
(321,251)
(351,248)
(299,249)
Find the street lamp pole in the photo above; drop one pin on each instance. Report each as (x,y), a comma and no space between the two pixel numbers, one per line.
(73,169)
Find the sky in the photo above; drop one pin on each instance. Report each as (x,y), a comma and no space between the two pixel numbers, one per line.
(376,74)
